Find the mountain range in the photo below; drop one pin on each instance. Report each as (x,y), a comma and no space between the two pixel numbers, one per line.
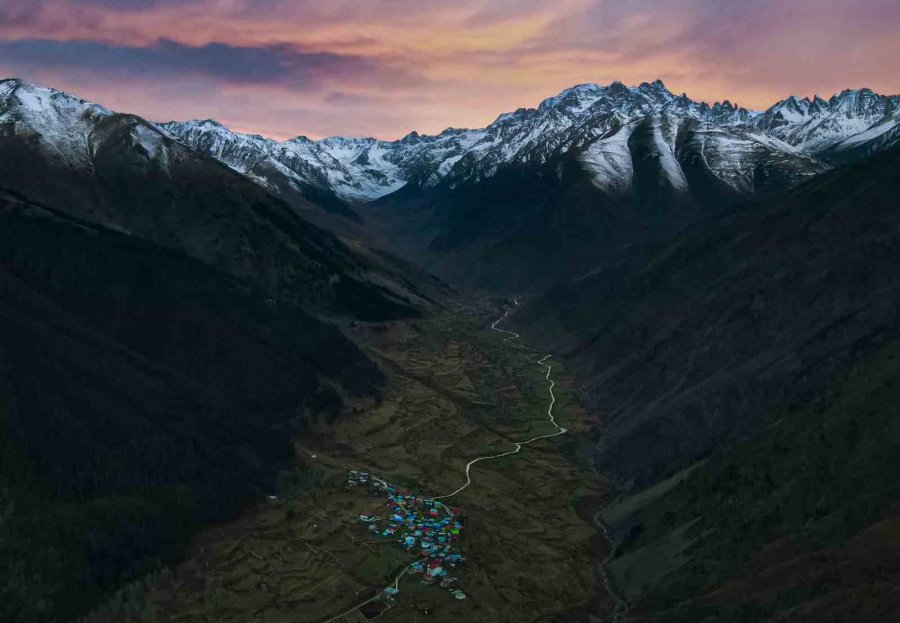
(800,134)
(584,169)
(568,179)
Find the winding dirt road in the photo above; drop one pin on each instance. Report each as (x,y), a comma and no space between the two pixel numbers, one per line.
(518,444)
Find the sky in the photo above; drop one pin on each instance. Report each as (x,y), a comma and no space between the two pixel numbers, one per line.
(382,68)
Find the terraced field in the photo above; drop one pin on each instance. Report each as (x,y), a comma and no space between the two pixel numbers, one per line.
(456,391)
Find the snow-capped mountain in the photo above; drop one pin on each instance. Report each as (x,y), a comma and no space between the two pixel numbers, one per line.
(355,169)
(126,174)
(366,169)
(882,135)
(588,121)
(815,125)
(68,130)
(59,122)
(684,150)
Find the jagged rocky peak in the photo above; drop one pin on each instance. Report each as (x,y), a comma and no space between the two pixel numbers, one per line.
(347,146)
(850,102)
(656,84)
(581,97)
(208,123)
(817,105)
(576,98)
(859,103)
(509,116)
(301,139)
(816,125)
(792,109)
(725,112)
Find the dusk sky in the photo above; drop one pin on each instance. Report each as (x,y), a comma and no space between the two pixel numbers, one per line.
(385,67)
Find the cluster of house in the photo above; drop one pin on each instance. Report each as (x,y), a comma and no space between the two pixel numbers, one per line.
(420,524)
(434,572)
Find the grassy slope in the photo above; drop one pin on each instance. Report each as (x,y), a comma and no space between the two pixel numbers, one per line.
(794,517)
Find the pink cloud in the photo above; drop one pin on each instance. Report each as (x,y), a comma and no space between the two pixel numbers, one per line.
(385,67)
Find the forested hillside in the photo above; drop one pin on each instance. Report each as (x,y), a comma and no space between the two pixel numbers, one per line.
(143,394)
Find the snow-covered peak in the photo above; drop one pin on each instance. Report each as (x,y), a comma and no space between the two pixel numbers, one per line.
(792,109)
(32,101)
(815,125)
(60,122)
(208,123)
(858,103)
(656,85)
(724,112)
(575,99)
(580,98)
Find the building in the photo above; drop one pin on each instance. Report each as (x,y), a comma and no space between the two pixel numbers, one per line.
(434,567)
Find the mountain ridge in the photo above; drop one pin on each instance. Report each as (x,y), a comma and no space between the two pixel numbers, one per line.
(457,156)
(338,172)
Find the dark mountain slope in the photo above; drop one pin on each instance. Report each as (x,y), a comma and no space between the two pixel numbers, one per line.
(637,183)
(766,343)
(883,135)
(799,524)
(124,173)
(142,395)
(733,319)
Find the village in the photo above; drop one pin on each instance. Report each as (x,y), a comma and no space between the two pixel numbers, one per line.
(424,526)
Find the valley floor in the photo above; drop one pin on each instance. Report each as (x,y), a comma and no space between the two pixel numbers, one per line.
(456,391)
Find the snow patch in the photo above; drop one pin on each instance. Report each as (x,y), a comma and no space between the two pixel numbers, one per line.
(667,158)
(609,161)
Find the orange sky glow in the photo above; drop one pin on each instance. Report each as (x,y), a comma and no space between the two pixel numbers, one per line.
(385,67)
